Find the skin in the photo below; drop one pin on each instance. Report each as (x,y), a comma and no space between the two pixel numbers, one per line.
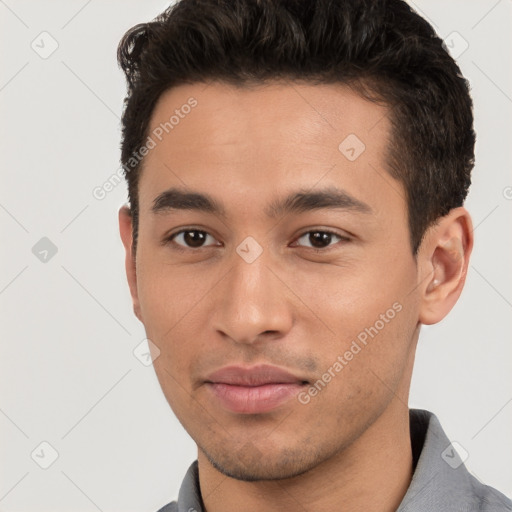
(206,308)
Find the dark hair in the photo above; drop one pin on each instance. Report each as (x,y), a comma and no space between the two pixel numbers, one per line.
(382,48)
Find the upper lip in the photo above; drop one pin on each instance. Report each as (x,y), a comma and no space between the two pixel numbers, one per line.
(253,376)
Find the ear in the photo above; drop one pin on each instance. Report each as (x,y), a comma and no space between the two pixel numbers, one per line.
(443,260)
(126,231)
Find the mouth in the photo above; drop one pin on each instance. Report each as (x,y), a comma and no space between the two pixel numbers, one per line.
(253,390)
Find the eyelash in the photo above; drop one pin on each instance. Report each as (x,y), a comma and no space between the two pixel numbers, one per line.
(170,239)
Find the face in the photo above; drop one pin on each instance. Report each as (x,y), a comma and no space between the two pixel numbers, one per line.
(293,251)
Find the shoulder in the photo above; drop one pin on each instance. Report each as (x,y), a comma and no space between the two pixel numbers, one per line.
(489,499)
(189,496)
(440,480)
(170,507)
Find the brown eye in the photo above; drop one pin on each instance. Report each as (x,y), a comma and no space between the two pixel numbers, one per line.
(191,238)
(319,239)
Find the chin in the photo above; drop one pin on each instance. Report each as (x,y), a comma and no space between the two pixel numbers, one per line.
(253,467)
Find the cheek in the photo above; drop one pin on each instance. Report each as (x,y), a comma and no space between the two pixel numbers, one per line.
(167,292)
(349,297)
(364,317)
(360,374)
(172,301)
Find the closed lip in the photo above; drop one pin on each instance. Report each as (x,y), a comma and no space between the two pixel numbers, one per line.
(253,376)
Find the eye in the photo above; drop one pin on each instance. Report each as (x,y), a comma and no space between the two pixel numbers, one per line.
(320,239)
(191,238)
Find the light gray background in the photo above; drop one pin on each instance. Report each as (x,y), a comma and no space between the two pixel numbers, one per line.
(68,373)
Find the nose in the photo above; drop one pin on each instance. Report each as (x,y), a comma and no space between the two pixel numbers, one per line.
(251,304)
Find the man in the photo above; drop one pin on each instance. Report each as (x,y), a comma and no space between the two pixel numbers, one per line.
(297,172)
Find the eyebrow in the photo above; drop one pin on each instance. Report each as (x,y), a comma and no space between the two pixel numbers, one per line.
(296,202)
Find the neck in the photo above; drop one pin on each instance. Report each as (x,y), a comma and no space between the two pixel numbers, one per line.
(373,473)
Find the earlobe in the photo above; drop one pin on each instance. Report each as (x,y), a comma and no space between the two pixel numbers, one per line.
(126,232)
(444,259)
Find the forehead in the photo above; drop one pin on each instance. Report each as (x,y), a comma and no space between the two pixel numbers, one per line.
(295,111)
(267,137)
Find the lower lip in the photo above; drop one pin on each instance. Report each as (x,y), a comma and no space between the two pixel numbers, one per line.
(253,399)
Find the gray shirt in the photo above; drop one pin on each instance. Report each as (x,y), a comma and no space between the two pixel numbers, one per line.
(440,480)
